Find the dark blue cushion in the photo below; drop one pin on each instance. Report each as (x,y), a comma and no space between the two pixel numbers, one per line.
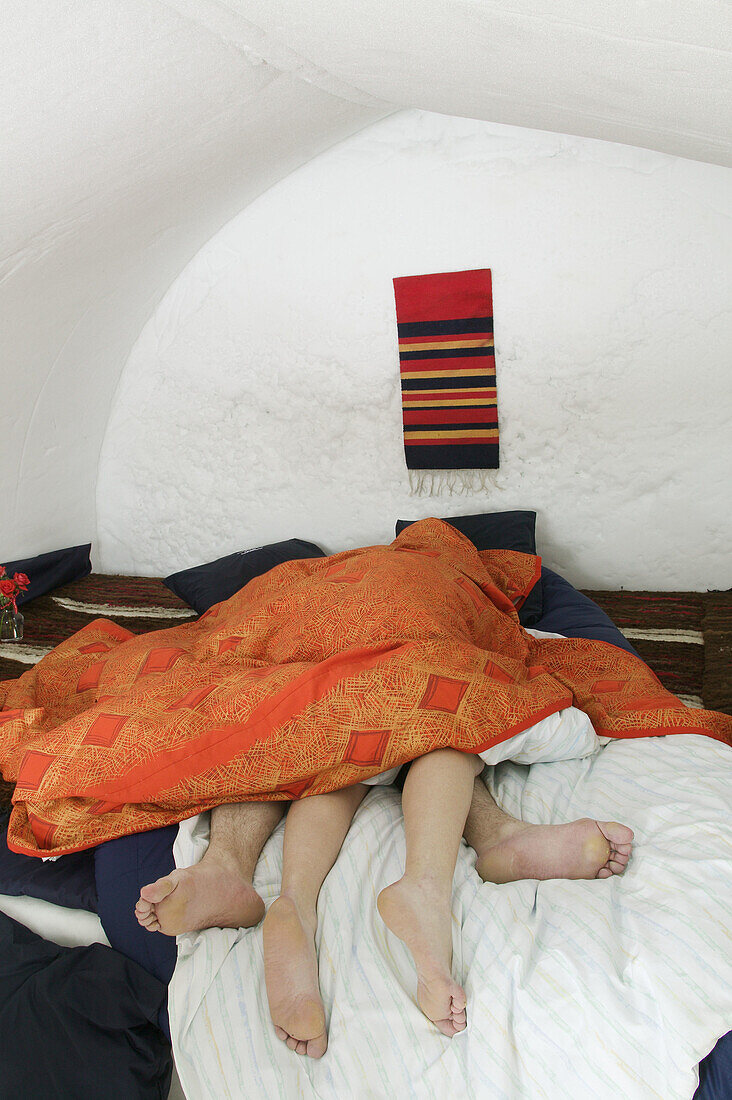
(68,881)
(49,571)
(500,531)
(122,867)
(715,1072)
(204,585)
(568,612)
(78,1022)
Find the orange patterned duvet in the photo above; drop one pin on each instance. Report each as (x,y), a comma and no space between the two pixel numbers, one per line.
(314,676)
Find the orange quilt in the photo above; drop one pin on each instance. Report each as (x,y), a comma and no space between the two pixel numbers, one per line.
(315,676)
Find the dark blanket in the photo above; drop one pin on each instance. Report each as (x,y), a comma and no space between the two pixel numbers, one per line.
(77,1022)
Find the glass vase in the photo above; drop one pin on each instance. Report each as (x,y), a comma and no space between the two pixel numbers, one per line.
(11,625)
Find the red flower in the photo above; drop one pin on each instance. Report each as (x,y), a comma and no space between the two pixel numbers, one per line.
(2,570)
(21,580)
(7,587)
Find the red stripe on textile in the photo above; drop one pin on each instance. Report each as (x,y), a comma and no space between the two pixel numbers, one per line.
(459,363)
(448,395)
(487,415)
(445,296)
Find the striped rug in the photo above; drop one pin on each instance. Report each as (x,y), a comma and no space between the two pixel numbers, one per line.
(686,637)
(448,370)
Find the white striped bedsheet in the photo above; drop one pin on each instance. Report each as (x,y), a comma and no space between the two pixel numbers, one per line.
(575,989)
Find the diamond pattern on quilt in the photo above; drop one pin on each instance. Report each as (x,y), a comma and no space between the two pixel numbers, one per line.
(33,768)
(105,729)
(90,677)
(43,831)
(497,673)
(161,660)
(443,693)
(193,698)
(366,747)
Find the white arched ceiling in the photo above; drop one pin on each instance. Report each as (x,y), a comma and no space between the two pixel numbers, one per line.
(128,136)
(131,132)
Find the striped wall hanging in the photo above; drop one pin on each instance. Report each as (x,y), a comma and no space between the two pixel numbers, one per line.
(448,379)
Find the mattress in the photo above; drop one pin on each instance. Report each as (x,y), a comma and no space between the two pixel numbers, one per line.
(575,989)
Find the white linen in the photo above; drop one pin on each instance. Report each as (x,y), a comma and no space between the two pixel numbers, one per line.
(575,989)
(67,927)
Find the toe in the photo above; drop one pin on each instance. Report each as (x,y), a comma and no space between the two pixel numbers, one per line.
(281,1033)
(318,1046)
(302,1047)
(447,1027)
(604,872)
(291,1042)
(615,867)
(156,891)
(615,832)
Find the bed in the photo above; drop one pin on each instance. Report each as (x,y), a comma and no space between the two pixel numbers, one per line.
(535,983)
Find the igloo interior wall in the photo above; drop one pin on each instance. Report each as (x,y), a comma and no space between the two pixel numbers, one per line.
(262,400)
(131,133)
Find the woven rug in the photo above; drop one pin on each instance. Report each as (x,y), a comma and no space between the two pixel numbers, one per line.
(685,637)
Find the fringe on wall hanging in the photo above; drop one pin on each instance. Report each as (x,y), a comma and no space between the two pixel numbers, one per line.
(448,379)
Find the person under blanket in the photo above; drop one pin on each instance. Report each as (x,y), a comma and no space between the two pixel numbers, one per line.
(443,799)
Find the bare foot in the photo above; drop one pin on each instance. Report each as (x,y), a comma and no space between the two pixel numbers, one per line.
(581,849)
(291,977)
(419,914)
(213,894)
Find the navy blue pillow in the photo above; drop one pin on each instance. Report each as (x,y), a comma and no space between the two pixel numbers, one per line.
(568,612)
(68,881)
(500,531)
(204,585)
(49,571)
(715,1072)
(121,868)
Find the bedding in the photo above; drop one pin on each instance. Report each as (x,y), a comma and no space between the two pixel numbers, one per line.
(565,610)
(112,733)
(607,989)
(501,531)
(50,1012)
(69,882)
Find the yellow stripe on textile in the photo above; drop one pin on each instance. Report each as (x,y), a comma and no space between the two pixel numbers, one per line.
(446,345)
(482,433)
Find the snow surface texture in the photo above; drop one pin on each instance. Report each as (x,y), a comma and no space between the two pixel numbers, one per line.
(262,399)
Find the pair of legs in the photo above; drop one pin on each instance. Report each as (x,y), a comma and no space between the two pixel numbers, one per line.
(442,798)
(436,799)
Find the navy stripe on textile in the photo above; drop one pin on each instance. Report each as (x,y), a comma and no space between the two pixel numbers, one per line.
(474,382)
(445,328)
(449,352)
